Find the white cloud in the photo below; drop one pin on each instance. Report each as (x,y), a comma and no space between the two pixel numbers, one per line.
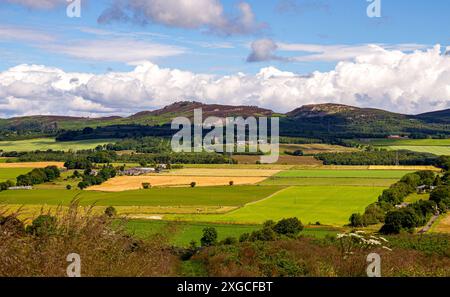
(13,33)
(390,79)
(115,50)
(185,14)
(38,4)
(266,50)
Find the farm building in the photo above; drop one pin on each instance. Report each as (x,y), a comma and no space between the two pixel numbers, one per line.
(138,171)
(21,188)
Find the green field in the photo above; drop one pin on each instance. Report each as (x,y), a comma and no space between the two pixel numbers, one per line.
(329,205)
(321,173)
(408,142)
(50,143)
(328,181)
(181,234)
(12,173)
(437,150)
(200,196)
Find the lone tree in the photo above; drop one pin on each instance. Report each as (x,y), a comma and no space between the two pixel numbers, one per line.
(110,212)
(146,186)
(193,184)
(209,237)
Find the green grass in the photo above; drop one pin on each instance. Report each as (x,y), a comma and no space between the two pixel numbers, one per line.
(417,197)
(321,173)
(328,181)
(12,173)
(329,205)
(436,150)
(181,234)
(50,143)
(201,196)
(408,142)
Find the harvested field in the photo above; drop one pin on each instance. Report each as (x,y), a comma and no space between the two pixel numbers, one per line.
(317,148)
(125,183)
(415,168)
(31,165)
(210,172)
(289,160)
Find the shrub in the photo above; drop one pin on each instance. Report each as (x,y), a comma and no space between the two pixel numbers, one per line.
(231,183)
(291,227)
(110,212)
(43,225)
(146,186)
(69,187)
(229,241)
(356,220)
(193,184)
(209,237)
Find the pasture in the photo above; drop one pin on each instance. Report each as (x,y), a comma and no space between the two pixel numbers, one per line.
(331,205)
(12,173)
(170,197)
(44,144)
(316,148)
(317,173)
(328,181)
(182,233)
(436,150)
(408,142)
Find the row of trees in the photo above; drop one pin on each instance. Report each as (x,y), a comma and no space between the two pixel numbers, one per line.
(397,216)
(38,176)
(378,158)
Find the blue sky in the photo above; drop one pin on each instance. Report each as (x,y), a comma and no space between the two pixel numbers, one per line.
(292,36)
(309,22)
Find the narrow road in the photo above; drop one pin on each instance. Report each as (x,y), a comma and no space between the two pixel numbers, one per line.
(430,223)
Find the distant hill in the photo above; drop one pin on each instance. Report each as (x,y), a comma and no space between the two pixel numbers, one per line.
(442,116)
(316,121)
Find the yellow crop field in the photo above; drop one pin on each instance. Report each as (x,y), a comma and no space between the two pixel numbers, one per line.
(432,168)
(31,165)
(126,183)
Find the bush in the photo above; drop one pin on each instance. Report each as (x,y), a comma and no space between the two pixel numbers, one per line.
(209,237)
(291,227)
(110,212)
(146,186)
(231,183)
(69,187)
(193,184)
(229,241)
(356,220)
(43,225)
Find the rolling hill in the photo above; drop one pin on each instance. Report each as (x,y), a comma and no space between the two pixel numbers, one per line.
(319,121)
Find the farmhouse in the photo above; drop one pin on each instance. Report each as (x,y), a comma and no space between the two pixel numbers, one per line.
(425,189)
(138,171)
(20,188)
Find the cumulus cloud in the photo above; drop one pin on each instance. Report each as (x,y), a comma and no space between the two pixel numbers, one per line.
(389,79)
(266,50)
(185,14)
(263,50)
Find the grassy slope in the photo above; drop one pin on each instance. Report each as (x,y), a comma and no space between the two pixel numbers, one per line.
(181,234)
(328,205)
(12,173)
(50,143)
(206,196)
